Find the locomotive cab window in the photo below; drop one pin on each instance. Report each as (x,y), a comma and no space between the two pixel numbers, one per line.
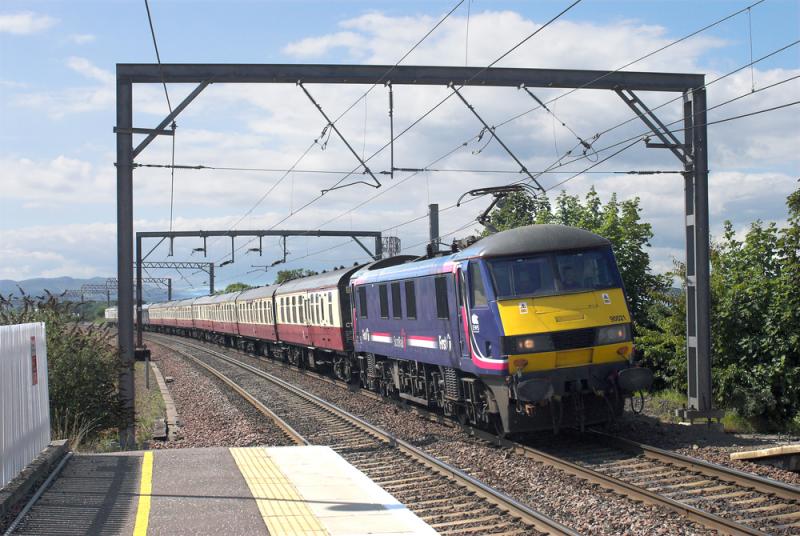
(362,301)
(383,294)
(442,309)
(547,274)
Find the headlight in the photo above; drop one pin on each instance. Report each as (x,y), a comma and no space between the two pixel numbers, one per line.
(527,344)
(613,334)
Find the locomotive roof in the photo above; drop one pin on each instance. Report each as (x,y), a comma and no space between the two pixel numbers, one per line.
(326,280)
(258,292)
(532,239)
(527,240)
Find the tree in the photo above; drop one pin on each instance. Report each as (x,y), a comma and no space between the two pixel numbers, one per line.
(755,324)
(619,222)
(287,275)
(235,287)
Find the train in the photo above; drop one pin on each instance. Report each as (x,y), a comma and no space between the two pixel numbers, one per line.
(521,331)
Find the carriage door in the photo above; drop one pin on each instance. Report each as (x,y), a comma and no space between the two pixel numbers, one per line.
(462,296)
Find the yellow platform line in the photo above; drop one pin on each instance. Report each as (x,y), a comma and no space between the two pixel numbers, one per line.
(282,508)
(145,490)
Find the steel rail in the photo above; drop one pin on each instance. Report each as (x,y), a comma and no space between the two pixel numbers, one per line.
(707,519)
(293,434)
(502,501)
(759,483)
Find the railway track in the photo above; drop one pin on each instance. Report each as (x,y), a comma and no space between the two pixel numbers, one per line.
(717,497)
(740,502)
(448,499)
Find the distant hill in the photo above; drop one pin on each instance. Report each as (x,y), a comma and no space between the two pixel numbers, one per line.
(57,285)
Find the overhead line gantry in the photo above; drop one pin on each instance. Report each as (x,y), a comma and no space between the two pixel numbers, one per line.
(692,152)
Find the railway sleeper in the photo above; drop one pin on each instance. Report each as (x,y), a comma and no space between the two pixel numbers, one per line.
(479,511)
(719,496)
(768,508)
(467,521)
(696,491)
(391,488)
(398,473)
(480,529)
(781,517)
(751,500)
(681,485)
(653,476)
(445,502)
(447,506)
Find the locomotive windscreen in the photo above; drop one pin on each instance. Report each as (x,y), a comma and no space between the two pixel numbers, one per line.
(555,273)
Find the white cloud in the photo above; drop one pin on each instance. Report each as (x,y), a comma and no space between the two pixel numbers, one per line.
(89,70)
(82,39)
(51,183)
(25,23)
(752,162)
(93,98)
(317,46)
(83,250)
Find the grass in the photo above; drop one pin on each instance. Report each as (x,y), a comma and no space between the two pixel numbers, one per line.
(663,404)
(149,404)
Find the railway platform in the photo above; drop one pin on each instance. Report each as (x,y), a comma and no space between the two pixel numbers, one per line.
(308,490)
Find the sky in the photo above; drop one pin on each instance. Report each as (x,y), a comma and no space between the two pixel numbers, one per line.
(57,112)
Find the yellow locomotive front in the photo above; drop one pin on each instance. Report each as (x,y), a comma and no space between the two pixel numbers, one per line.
(566,329)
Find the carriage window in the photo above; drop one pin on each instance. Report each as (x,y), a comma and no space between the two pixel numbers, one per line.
(442,309)
(478,297)
(293,310)
(330,307)
(411,300)
(384,299)
(397,306)
(302,308)
(362,301)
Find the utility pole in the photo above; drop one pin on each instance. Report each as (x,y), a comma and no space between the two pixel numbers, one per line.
(433,228)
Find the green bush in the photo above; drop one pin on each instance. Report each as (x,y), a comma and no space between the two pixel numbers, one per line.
(755,324)
(82,364)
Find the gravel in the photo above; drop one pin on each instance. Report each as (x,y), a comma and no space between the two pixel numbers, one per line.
(210,413)
(585,507)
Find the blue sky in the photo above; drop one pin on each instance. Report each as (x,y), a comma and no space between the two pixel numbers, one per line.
(57,111)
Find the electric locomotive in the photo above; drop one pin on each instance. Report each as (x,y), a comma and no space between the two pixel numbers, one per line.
(524,330)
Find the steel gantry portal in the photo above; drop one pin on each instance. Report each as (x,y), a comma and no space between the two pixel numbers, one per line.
(171,235)
(692,151)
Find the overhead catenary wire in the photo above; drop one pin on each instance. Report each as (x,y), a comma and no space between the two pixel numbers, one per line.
(403,169)
(677,41)
(169,106)
(633,62)
(560,183)
(669,124)
(517,116)
(634,139)
(381,79)
(629,144)
(426,114)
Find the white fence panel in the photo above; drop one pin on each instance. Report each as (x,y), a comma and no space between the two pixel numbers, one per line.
(24,397)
